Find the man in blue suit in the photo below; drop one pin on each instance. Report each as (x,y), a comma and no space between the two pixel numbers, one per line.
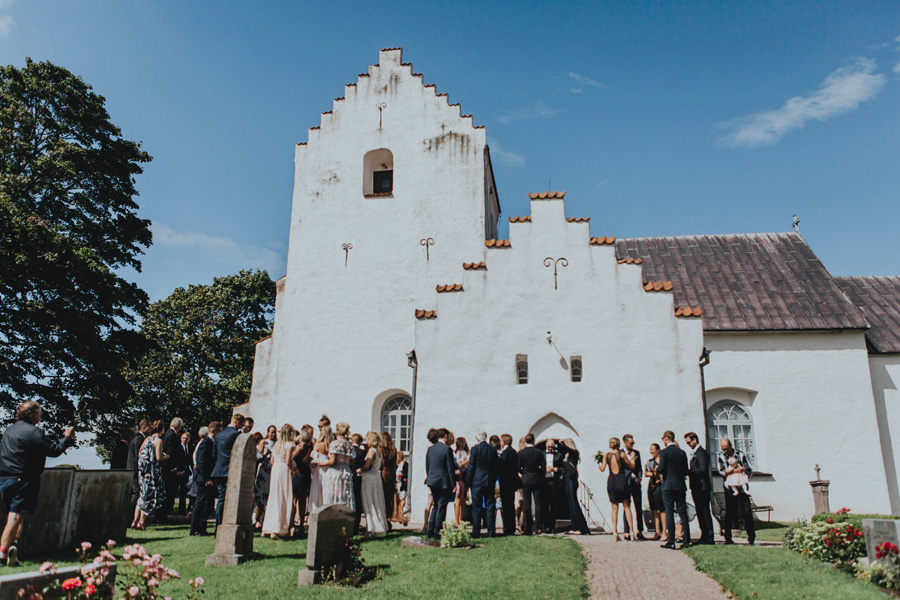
(439,469)
(224,443)
(481,478)
(673,466)
(203,479)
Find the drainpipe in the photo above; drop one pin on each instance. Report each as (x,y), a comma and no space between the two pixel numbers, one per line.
(414,365)
(704,361)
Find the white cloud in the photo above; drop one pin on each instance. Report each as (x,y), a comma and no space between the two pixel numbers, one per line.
(584,81)
(221,249)
(537,111)
(842,91)
(576,90)
(510,159)
(6,20)
(602,183)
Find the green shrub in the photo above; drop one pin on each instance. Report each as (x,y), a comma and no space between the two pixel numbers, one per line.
(840,543)
(455,536)
(844,516)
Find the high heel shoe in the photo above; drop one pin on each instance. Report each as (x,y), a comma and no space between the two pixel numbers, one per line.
(617,538)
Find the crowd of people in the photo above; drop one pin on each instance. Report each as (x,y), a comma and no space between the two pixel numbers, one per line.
(670,472)
(300,470)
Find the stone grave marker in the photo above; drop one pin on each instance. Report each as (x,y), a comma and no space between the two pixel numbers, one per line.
(328,526)
(234,537)
(878,531)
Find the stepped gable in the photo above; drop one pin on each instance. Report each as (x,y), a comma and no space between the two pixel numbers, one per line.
(746,282)
(878,298)
(387,58)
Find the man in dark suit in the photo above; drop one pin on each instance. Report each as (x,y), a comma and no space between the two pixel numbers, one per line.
(481,478)
(735,505)
(224,443)
(134,449)
(119,459)
(532,466)
(185,502)
(554,493)
(439,469)
(509,483)
(172,469)
(356,463)
(673,466)
(634,484)
(205,486)
(701,487)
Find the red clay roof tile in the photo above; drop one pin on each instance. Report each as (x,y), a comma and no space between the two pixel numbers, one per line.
(547,195)
(473,265)
(578,219)
(688,312)
(426,314)
(497,243)
(599,241)
(450,287)
(526,219)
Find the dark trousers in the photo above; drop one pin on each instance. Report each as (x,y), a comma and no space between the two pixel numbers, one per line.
(674,500)
(575,515)
(441,497)
(738,506)
(221,486)
(181,491)
(704,515)
(508,508)
(484,506)
(357,498)
(637,502)
(171,481)
(132,503)
(533,494)
(552,496)
(202,508)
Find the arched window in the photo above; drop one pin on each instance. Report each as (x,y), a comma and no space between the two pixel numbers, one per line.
(575,368)
(521,368)
(378,173)
(396,419)
(732,420)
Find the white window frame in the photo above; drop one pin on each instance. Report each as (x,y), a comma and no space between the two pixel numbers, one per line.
(731,419)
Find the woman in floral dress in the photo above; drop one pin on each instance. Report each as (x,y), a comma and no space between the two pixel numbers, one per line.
(337,485)
(150,479)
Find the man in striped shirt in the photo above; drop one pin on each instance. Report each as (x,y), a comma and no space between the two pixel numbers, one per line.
(739,503)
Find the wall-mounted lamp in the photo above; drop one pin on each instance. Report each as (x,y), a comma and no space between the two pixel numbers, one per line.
(549,338)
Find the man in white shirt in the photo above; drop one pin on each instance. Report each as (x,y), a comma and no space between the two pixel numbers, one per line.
(552,489)
(634,484)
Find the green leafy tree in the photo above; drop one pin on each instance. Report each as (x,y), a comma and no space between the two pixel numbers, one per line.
(200,345)
(68,222)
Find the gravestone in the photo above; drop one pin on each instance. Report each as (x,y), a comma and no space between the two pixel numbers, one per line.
(820,493)
(234,537)
(878,531)
(328,526)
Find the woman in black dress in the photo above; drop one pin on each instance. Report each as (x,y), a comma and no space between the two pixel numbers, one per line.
(617,485)
(570,460)
(654,492)
(301,479)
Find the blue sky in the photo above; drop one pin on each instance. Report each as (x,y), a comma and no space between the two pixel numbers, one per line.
(660,119)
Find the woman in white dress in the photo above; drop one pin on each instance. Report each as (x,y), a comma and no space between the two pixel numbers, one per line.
(373,488)
(277,522)
(319,454)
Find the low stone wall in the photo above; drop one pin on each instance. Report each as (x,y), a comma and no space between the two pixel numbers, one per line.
(76,506)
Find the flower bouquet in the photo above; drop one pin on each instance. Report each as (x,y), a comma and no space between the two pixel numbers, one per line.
(598,458)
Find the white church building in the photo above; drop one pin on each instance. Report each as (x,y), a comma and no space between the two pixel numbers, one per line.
(562,330)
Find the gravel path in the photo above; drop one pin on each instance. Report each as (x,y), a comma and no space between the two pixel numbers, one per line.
(643,571)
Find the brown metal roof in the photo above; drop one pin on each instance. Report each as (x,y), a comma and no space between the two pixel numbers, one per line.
(879,300)
(747,282)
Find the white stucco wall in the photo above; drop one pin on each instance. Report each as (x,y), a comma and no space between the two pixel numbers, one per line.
(641,373)
(885,370)
(342,331)
(810,398)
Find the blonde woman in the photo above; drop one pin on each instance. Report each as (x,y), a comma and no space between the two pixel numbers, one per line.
(277,522)
(373,488)
(337,485)
(617,485)
(319,454)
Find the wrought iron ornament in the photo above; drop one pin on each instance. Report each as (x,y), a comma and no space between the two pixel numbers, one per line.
(347,248)
(550,261)
(426,242)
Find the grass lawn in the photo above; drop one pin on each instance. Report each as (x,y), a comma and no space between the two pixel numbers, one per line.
(769,531)
(776,573)
(533,567)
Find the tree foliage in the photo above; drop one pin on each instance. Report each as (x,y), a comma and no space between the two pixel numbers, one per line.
(68,221)
(200,345)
